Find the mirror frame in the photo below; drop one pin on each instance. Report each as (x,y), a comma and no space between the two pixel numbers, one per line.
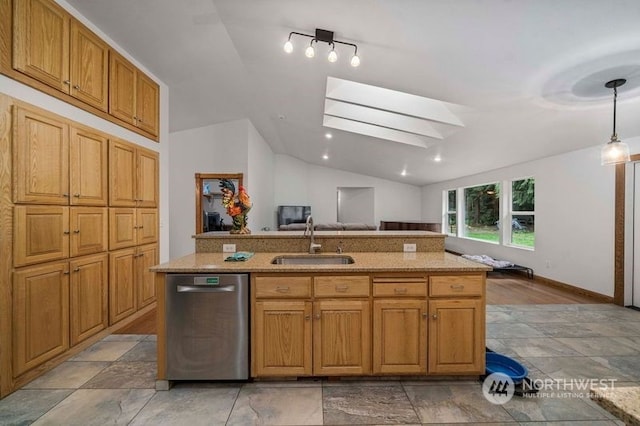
(200,178)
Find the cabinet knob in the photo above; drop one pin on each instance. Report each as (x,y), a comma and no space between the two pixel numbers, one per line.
(67,82)
(140,227)
(76,270)
(76,195)
(65,195)
(77,231)
(307,317)
(425,315)
(66,232)
(317,316)
(66,272)
(434,316)
(75,86)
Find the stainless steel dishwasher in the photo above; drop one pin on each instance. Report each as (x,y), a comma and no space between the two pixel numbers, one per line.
(207,318)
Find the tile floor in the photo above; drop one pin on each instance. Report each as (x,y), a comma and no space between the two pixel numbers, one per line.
(113,382)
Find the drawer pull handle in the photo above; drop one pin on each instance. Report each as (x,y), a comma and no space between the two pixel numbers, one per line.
(400,290)
(282,289)
(457,287)
(307,317)
(425,315)
(342,288)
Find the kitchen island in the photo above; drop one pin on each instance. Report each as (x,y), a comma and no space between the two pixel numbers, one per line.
(389,312)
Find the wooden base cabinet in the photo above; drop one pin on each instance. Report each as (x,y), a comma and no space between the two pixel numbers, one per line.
(399,336)
(282,338)
(341,338)
(40,314)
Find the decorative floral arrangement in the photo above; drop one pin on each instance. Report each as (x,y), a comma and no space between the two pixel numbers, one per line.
(237,205)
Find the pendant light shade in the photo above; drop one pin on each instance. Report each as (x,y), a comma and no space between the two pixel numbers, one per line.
(615,151)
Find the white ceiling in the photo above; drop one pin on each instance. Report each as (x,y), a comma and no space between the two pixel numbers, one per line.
(526,77)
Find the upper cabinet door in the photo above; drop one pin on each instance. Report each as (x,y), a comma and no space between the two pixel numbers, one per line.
(122,88)
(147,100)
(89,67)
(41,42)
(88,174)
(41,158)
(147,191)
(122,174)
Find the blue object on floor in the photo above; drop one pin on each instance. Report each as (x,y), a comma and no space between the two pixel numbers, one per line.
(498,363)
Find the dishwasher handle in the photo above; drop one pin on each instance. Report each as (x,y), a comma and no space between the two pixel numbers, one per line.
(205,289)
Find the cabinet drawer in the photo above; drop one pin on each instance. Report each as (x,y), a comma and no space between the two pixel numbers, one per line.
(282,287)
(453,285)
(357,286)
(392,289)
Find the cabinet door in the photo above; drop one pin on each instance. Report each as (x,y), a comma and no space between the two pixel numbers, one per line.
(40,234)
(41,42)
(282,338)
(122,228)
(147,225)
(122,88)
(147,100)
(40,315)
(122,174)
(147,178)
(122,290)
(89,66)
(341,337)
(41,158)
(146,257)
(456,336)
(88,152)
(399,336)
(88,296)
(89,230)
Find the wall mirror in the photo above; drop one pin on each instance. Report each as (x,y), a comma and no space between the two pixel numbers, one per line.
(210,213)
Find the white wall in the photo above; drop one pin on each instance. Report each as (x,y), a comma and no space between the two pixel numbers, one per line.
(220,148)
(259,182)
(574,218)
(299,183)
(27,94)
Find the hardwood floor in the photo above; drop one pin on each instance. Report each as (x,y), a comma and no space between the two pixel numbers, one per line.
(502,289)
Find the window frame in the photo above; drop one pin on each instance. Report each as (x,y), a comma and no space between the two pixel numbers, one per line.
(508,231)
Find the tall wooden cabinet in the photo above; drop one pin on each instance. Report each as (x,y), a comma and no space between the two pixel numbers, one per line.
(54,48)
(133,96)
(66,284)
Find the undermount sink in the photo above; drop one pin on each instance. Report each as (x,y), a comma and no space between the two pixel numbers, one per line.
(312,259)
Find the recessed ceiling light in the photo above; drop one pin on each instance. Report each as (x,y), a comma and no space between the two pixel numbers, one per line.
(325,157)
(403,173)
(437,159)
(328,135)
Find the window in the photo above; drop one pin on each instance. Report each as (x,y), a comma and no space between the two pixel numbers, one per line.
(482,212)
(522,213)
(451,215)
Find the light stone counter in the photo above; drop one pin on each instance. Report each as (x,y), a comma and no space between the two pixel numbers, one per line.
(622,402)
(364,262)
(296,242)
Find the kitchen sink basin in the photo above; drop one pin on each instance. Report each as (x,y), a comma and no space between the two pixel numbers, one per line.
(312,259)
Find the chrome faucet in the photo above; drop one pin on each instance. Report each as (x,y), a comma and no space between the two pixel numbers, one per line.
(313,247)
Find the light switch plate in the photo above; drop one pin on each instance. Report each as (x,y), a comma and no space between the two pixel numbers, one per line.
(228,248)
(410,248)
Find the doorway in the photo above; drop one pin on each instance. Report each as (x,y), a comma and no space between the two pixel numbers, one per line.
(210,213)
(356,205)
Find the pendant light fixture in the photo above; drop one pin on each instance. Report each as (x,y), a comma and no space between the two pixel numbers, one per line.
(615,151)
(326,37)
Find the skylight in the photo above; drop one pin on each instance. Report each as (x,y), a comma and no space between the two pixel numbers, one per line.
(385,113)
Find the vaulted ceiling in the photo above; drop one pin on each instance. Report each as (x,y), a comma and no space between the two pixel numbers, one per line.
(525,77)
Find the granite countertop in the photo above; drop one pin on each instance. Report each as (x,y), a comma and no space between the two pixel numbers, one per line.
(622,402)
(364,262)
(326,234)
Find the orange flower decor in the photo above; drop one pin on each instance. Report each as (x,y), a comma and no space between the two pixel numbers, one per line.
(237,205)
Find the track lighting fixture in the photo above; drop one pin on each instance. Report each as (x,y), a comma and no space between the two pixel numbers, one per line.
(615,151)
(326,37)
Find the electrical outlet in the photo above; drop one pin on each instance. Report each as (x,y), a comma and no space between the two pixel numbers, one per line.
(228,248)
(410,248)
